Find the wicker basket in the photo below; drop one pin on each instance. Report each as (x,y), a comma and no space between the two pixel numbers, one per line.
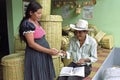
(13,66)
(64,42)
(19,45)
(46,4)
(107,42)
(56,62)
(67,61)
(95,30)
(99,36)
(52,24)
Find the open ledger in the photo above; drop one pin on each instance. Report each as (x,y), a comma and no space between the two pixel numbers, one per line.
(71,71)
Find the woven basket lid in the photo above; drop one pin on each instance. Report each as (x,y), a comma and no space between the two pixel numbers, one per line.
(66,28)
(13,59)
(65,40)
(51,18)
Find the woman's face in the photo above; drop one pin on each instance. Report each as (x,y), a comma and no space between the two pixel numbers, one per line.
(36,15)
(81,35)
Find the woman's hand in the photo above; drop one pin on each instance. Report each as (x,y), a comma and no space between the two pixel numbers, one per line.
(54,51)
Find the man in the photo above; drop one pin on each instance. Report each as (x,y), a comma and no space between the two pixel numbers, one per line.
(82,48)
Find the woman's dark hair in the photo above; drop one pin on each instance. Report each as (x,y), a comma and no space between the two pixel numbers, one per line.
(33,7)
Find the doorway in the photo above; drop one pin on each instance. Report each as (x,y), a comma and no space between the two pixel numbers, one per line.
(4,46)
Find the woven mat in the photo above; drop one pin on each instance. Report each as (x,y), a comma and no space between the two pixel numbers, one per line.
(102,54)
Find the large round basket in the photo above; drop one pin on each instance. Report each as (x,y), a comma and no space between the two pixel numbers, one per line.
(18,44)
(13,66)
(52,24)
(56,62)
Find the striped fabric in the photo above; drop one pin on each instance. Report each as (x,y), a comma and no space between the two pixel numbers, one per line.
(102,54)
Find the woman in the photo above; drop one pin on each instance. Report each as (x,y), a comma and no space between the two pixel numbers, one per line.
(38,60)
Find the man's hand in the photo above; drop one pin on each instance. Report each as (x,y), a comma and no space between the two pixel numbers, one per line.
(82,61)
(62,53)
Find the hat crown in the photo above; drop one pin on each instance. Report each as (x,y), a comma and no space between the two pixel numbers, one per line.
(82,24)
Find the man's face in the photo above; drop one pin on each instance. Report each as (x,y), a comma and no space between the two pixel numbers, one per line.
(80,34)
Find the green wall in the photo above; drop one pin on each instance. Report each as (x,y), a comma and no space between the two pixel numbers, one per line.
(14,15)
(106,17)
(17,14)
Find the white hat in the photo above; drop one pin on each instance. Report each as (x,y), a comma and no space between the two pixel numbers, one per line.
(81,25)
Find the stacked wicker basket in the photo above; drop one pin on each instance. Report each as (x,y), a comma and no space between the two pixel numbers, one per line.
(52,24)
(13,64)
(13,67)
(18,45)
(53,27)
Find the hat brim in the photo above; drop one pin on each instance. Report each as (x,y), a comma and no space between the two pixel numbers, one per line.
(72,26)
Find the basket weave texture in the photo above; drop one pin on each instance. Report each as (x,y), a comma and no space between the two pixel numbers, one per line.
(13,66)
(107,42)
(18,44)
(52,24)
(56,62)
(99,36)
(46,4)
